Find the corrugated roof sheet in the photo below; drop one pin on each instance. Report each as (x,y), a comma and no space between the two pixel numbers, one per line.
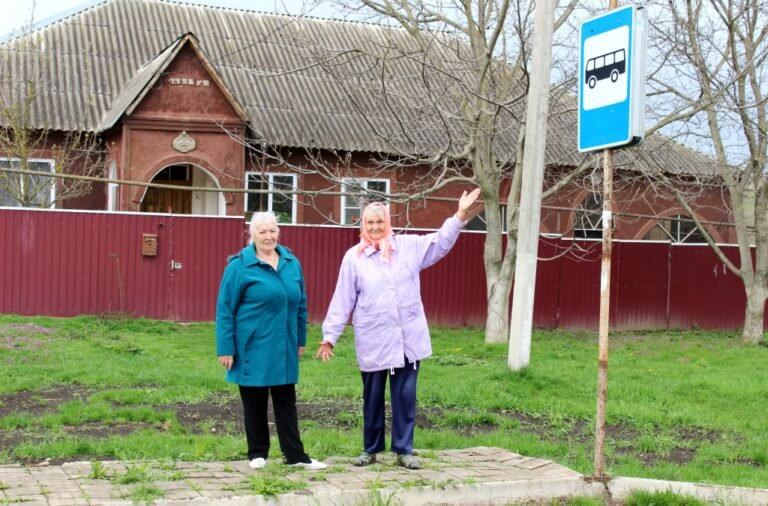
(91,65)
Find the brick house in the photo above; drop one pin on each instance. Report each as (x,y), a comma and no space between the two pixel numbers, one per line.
(181,94)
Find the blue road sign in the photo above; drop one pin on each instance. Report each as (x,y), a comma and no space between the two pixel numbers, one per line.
(612,79)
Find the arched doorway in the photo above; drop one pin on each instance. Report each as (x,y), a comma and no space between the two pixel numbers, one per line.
(182,201)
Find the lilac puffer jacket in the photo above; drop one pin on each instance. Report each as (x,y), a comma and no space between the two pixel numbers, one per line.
(385,297)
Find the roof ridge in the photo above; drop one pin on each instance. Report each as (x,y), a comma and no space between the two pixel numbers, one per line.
(280,14)
(90,4)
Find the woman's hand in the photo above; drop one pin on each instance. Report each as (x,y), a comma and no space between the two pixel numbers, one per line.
(227,361)
(469,205)
(325,352)
(301,351)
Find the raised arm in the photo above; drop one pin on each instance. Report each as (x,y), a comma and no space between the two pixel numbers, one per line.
(435,246)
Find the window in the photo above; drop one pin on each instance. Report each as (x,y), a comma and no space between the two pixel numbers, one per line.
(282,204)
(352,205)
(174,173)
(479,222)
(609,59)
(22,190)
(599,62)
(678,229)
(589,218)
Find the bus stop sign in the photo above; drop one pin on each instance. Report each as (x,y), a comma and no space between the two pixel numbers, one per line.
(612,79)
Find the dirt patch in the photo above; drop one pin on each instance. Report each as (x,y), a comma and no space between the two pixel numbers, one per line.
(23,336)
(14,329)
(693,437)
(40,402)
(202,417)
(102,430)
(680,456)
(12,438)
(699,434)
(751,462)
(225,416)
(582,432)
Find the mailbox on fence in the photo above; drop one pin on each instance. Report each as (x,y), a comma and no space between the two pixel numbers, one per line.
(149,245)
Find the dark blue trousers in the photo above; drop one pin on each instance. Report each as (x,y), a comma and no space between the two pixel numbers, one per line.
(402,389)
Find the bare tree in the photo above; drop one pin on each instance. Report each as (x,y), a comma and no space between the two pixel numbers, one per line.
(443,86)
(710,87)
(26,145)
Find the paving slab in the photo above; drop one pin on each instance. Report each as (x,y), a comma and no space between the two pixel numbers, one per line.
(467,476)
(473,476)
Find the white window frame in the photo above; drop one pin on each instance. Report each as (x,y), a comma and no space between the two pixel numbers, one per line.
(112,188)
(360,181)
(596,224)
(270,186)
(51,162)
(503,208)
(675,221)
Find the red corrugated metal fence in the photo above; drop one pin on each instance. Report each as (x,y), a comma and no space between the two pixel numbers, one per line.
(65,263)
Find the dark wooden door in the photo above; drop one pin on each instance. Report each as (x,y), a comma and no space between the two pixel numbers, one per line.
(164,200)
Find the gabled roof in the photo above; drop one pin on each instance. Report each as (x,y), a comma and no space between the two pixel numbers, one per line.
(95,65)
(145,78)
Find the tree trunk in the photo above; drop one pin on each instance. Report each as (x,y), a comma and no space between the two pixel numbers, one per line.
(755,312)
(498,274)
(497,320)
(495,323)
(499,289)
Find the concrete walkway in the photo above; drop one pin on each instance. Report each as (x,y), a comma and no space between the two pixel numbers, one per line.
(480,476)
(470,476)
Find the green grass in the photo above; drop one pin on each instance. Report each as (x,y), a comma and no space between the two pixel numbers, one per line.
(583,501)
(667,498)
(139,473)
(98,471)
(146,494)
(681,405)
(273,480)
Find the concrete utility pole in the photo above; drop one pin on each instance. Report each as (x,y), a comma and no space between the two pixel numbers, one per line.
(534,146)
(605,306)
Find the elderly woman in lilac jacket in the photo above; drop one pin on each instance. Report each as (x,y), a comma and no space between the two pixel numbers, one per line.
(379,283)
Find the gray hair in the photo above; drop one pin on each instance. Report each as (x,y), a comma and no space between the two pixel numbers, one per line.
(262,218)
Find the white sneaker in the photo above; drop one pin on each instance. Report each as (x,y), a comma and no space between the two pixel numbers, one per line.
(257,463)
(315,465)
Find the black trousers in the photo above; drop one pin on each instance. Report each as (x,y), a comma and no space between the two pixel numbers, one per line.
(255,401)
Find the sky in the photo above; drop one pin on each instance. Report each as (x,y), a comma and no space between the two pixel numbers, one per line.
(17,13)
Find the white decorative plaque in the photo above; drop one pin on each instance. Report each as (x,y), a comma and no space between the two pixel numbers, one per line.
(184,143)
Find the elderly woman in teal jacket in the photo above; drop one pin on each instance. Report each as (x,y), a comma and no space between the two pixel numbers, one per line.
(261,331)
